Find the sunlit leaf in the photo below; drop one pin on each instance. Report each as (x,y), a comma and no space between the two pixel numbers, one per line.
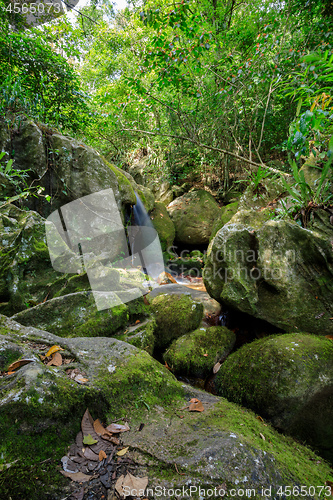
(89,439)
(122,452)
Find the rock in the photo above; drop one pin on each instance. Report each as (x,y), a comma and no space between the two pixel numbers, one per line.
(274,270)
(175,315)
(193,216)
(41,408)
(58,315)
(312,172)
(289,380)
(26,273)
(226,213)
(196,353)
(210,306)
(141,335)
(268,190)
(162,191)
(163,225)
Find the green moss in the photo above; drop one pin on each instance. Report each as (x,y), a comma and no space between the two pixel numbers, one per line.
(8,356)
(196,353)
(225,215)
(125,187)
(163,225)
(175,315)
(137,386)
(141,336)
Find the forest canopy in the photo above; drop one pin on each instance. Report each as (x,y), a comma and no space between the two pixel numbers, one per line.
(196,86)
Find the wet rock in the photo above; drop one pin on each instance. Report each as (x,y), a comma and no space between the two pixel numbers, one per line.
(289,380)
(195,353)
(226,213)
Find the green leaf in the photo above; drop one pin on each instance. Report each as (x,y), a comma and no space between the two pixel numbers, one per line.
(89,439)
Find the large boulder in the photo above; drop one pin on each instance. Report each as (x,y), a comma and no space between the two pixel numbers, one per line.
(163,225)
(175,315)
(193,216)
(196,353)
(226,213)
(63,166)
(288,379)
(274,270)
(41,409)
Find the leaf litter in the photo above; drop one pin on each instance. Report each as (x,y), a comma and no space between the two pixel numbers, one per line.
(96,462)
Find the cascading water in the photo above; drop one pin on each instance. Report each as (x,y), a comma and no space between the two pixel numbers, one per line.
(144,242)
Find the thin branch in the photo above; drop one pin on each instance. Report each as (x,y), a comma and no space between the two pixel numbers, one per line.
(212,148)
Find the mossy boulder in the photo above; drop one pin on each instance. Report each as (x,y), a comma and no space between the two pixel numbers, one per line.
(59,315)
(274,270)
(175,315)
(41,409)
(193,216)
(196,353)
(289,380)
(163,225)
(225,215)
(256,198)
(141,335)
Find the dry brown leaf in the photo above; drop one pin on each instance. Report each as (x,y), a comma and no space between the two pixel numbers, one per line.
(18,364)
(116,428)
(77,476)
(136,485)
(137,322)
(194,400)
(112,439)
(90,455)
(262,436)
(53,349)
(101,455)
(329,336)
(122,452)
(260,418)
(56,360)
(205,354)
(87,425)
(119,485)
(99,427)
(196,406)
(216,367)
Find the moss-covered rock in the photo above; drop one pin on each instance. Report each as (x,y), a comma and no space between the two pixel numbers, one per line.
(259,197)
(196,353)
(41,409)
(273,270)
(175,315)
(193,216)
(225,215)
(285,378)
(141,335)
(76,315)
(163,225)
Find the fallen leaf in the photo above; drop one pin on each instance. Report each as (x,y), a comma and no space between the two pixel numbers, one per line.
(262,436)
(101,455)
(99,427)
(79,494)
(80,379)
(53,349)
(112,439)
(205,354)
(90,455)
(122,452)
(89,439)
(260,418)
(216,367)
(56,360)
(196,406)
(18,364)
(329,337)
(137,322)
(77,476)
(116,428)
(135,485)
(194,400)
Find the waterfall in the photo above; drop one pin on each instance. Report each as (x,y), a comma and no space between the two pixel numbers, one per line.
(144,242)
